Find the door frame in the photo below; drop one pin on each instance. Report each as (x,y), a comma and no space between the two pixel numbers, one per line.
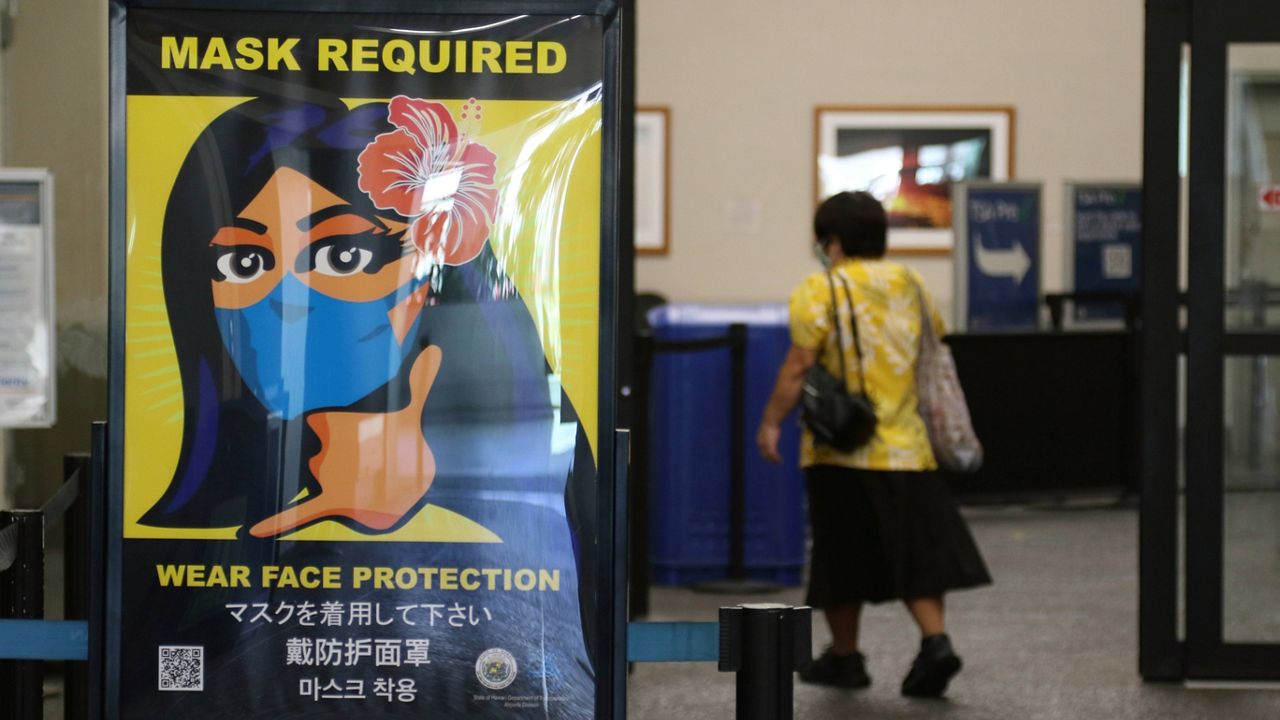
(1208,27)
(1160,652)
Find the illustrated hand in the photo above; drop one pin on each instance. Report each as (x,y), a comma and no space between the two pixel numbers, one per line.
(767,442)
(372,468)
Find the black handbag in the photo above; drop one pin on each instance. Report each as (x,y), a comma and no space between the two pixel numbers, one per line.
(837,418)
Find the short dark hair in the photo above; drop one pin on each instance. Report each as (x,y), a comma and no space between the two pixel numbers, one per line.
(857,219)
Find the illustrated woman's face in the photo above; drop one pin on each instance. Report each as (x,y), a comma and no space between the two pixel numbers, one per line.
(315,302)
(296,227)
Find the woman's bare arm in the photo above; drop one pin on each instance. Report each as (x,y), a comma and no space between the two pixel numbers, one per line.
(786,393)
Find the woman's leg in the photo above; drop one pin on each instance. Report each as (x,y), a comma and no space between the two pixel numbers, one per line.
(843,621)
(928,612)
(937,662)
(832,584)
(841,665)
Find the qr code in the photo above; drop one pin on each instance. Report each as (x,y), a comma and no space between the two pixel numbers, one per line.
(181,667)
(1117,262)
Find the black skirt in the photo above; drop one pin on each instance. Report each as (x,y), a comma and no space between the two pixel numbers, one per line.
(880,535)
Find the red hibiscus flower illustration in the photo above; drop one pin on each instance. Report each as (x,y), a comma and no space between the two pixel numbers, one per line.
(429,171)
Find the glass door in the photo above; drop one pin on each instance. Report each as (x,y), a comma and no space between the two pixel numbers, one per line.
(1233,344)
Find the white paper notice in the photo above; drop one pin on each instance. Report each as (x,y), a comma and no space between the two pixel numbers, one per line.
(25,364)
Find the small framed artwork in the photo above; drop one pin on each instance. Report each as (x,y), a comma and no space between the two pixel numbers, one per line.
(908,157)
(653,175)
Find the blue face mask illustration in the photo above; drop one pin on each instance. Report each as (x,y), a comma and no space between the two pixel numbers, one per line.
(300,350)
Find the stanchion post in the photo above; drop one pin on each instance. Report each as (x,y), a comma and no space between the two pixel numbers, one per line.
(765,644)
(94,494)
(22,597)
(639,491)
(76,549)
(737,451)
(737,582)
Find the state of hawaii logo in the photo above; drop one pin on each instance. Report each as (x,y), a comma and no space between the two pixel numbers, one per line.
(496,668)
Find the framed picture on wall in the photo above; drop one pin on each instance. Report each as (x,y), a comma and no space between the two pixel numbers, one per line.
(908,157)
(653,174)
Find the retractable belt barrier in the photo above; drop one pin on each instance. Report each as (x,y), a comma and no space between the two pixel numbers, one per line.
(52,512)
(26,639)
(764,643)
(647,347)
(44,640)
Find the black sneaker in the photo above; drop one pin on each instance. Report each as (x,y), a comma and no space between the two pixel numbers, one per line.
(933,668)
(846,671)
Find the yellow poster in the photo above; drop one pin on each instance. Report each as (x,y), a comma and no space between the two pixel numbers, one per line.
(362,292)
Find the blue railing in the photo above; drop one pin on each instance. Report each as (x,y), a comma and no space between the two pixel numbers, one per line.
(44,640)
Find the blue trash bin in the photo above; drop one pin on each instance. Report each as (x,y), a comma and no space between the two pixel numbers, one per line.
(690,432)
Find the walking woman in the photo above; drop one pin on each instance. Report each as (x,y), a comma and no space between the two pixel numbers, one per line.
(884,524)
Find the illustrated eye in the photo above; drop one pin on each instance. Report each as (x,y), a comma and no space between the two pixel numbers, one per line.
(341,259)
(344,255)
(242,263)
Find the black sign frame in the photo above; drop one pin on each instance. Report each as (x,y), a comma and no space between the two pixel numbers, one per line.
(617,104)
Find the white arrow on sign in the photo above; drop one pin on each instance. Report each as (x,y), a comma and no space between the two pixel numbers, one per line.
(1012,263)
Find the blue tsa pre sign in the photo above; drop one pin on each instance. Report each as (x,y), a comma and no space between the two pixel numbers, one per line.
(997,260)
(1104,245)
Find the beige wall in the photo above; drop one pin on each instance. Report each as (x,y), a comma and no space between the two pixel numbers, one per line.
(742,80)
(55,116)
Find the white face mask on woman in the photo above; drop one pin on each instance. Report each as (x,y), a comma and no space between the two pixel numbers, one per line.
(820,252)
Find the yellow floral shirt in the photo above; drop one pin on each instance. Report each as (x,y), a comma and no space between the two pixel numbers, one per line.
(888,311)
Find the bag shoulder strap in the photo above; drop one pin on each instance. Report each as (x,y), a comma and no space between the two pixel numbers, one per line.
(835,322)
(927,333)
(853,322)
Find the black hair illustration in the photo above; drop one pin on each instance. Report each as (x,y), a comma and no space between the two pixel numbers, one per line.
(238,462)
